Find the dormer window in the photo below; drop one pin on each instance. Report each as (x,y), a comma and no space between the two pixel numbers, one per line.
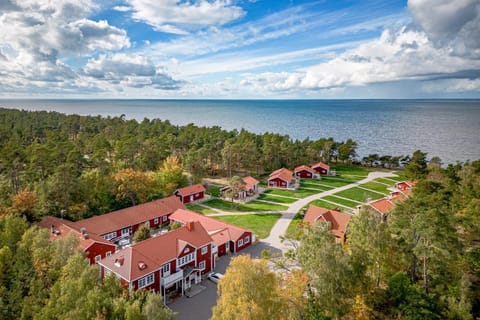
(142,265)
(119,262)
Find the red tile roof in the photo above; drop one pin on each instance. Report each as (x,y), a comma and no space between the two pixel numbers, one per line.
(220,231)
(338,220)
(62,229)
(321,165)
(131,216)
(250,182)
(384,206)
(283,174)
(303,168)
(150,255)
(193,189)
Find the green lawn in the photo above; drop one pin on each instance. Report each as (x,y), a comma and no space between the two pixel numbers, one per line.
(386,181)
(376,186)
(251,206)
(275,199)
(359,194)
(350,177)
(199,209)
(215,192)
(346,170)
(299,193)
(334,183)
(328,205)
(260,224)
(400,177)
(341,201)
(293,226)
(314,186)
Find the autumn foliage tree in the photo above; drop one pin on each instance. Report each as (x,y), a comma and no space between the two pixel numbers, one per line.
(133,185)
(25,203)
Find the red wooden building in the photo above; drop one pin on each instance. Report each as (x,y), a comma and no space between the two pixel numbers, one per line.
(123,223)
(321,168)
(338,220)
(226,237)
(170,262)
(191,193)
(251,188)
(304,172)
(94,247)
(281,178)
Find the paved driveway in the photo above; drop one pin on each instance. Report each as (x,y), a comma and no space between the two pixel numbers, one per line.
(200,306)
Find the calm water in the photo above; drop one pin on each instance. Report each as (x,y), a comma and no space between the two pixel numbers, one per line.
(449,129)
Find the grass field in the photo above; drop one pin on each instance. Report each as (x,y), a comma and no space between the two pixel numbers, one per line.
(400,177)
(215,192)
(359,194)
(300,193)
(248,207)
(275,199)
(314,186)
(347,170)
(335,182)
(199,209)
(341,201)
(293,226)
(328,205)
(260,224)
(386,181)
(376,186)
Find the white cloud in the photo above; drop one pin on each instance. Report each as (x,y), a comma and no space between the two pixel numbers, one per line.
(131,71)
(35,36)
(402,55)
(177,16)
(122,8)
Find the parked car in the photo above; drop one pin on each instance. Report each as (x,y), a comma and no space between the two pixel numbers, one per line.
(214,276)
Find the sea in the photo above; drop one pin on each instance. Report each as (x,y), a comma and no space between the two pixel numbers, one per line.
(449,129)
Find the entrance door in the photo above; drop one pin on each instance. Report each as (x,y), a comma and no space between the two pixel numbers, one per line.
(188,282)
(227,246)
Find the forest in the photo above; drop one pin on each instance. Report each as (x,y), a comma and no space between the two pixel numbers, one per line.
(77,166)
(422,262)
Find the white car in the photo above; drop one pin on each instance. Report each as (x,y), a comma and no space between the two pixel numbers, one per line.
(214,276)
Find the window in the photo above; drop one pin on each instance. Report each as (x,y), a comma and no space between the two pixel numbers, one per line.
(164,218)
(155,221)
(201,265)
(205,250)
(98,258)
(247,239)
(240,242)
(166,269)
(145,281)
(107,272)
(108,254)
(186,259)
(110,236)
(125,231)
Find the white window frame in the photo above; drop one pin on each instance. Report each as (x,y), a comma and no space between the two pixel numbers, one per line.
(98,258)
(204,250)
(108,254)
(186,259)
(240,242)
(166,269)
(247,239)
(107,272)
(155,221)
(110,236)
(164,218)
(146,281)
(201,265)
(126,231)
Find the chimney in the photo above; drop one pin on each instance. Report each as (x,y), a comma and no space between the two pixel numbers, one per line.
(189,225)
(52,228)
(119,261)
(85,235)
(83,230)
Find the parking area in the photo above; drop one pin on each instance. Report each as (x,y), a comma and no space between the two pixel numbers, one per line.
(200,306)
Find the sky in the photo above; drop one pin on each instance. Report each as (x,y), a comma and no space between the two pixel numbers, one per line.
(239,49)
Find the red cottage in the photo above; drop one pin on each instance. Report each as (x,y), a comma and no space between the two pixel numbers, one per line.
(338,220)
(304,172)
(123,223)
(226,237)
(191,193)
(321,168)
(281,178)
(94,247)
(251,188)
(167,263)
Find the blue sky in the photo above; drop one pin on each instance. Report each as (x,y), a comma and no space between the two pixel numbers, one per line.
(239,49)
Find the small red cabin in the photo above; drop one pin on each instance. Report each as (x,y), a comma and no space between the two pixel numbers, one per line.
(191,193)
(321,168)
(304,172)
